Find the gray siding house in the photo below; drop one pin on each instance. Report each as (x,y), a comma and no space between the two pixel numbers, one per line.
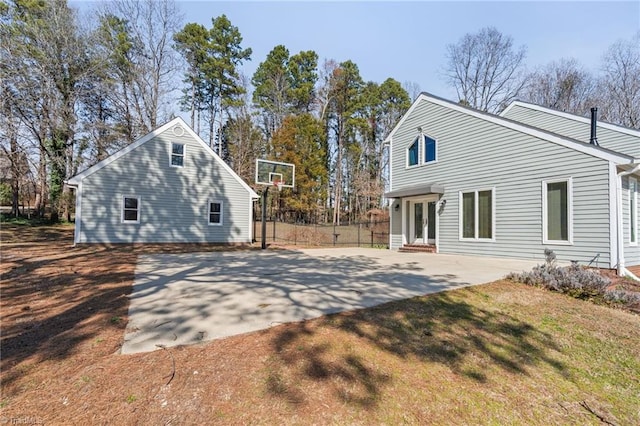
(468,182)
(168,186)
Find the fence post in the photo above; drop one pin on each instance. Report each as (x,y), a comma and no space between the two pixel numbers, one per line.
(359,225)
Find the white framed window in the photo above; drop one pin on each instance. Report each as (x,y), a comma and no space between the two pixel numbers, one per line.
(215,213)
(423,150)
(413,154)
(633,210)
(477,215)
(177,154)
(429,149)
(130,212)
(557,211)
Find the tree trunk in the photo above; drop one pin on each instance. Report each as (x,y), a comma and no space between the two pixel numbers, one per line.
(15,176)
(41,196)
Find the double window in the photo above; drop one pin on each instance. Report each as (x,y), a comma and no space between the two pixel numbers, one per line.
(215,213)
(477,215)
(557,222)
(130,209)
(177,155)
(421,151)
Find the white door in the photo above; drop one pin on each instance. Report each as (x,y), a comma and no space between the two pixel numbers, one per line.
(422,222)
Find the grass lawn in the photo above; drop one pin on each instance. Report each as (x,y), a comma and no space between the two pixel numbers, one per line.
(500,353)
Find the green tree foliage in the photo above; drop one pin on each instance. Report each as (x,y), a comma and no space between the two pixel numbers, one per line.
(213,73)
(300,140)
(344,100)
(111,120)
(192,42)
(304,76)
(272,84)
(284,85)
(382,107)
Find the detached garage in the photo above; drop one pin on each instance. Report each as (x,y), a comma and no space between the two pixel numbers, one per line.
(167,187)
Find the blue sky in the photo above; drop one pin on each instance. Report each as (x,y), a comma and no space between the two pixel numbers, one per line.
(407,40)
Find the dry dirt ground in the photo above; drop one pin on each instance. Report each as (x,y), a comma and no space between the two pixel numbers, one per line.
(64,313)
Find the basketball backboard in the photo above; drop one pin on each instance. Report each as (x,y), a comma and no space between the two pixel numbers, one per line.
(272,172)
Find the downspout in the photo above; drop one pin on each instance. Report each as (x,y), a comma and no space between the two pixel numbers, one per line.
(622,271)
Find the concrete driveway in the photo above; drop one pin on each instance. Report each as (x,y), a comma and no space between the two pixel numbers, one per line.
(188,298)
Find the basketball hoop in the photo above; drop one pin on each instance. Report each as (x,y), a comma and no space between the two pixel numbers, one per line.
(279,184)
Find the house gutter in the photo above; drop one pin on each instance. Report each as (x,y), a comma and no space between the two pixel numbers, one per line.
(622,271)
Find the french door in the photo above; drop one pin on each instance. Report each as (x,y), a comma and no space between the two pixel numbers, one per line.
(422,222)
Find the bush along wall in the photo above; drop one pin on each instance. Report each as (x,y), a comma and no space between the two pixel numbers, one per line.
(577,281)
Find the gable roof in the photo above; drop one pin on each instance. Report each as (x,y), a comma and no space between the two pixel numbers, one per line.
(570,116)
(596,151)
(75,181)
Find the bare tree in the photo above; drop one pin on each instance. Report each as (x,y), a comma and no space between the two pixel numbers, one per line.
(412,88)
(620,83)
(564,85)
(485,69)
(45,64)
(150,25)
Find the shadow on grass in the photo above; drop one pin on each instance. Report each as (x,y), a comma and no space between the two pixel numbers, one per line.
(444,328)
(35,232)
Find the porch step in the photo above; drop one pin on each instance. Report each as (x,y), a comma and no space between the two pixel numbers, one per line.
(417,248)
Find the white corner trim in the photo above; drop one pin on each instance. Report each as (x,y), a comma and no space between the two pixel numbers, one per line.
(78,218)
(613,215)
(633,196)
(390,164)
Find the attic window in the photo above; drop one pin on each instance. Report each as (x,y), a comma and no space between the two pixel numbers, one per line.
(429,149)
(177,155)
(412,153)
(422,151)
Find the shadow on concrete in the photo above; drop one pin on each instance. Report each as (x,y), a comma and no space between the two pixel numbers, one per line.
(180,299)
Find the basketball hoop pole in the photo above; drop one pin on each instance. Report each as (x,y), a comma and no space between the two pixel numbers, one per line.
(264,217)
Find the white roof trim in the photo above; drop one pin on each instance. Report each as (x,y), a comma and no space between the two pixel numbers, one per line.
(574,117)
(75,181)
(595,151)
